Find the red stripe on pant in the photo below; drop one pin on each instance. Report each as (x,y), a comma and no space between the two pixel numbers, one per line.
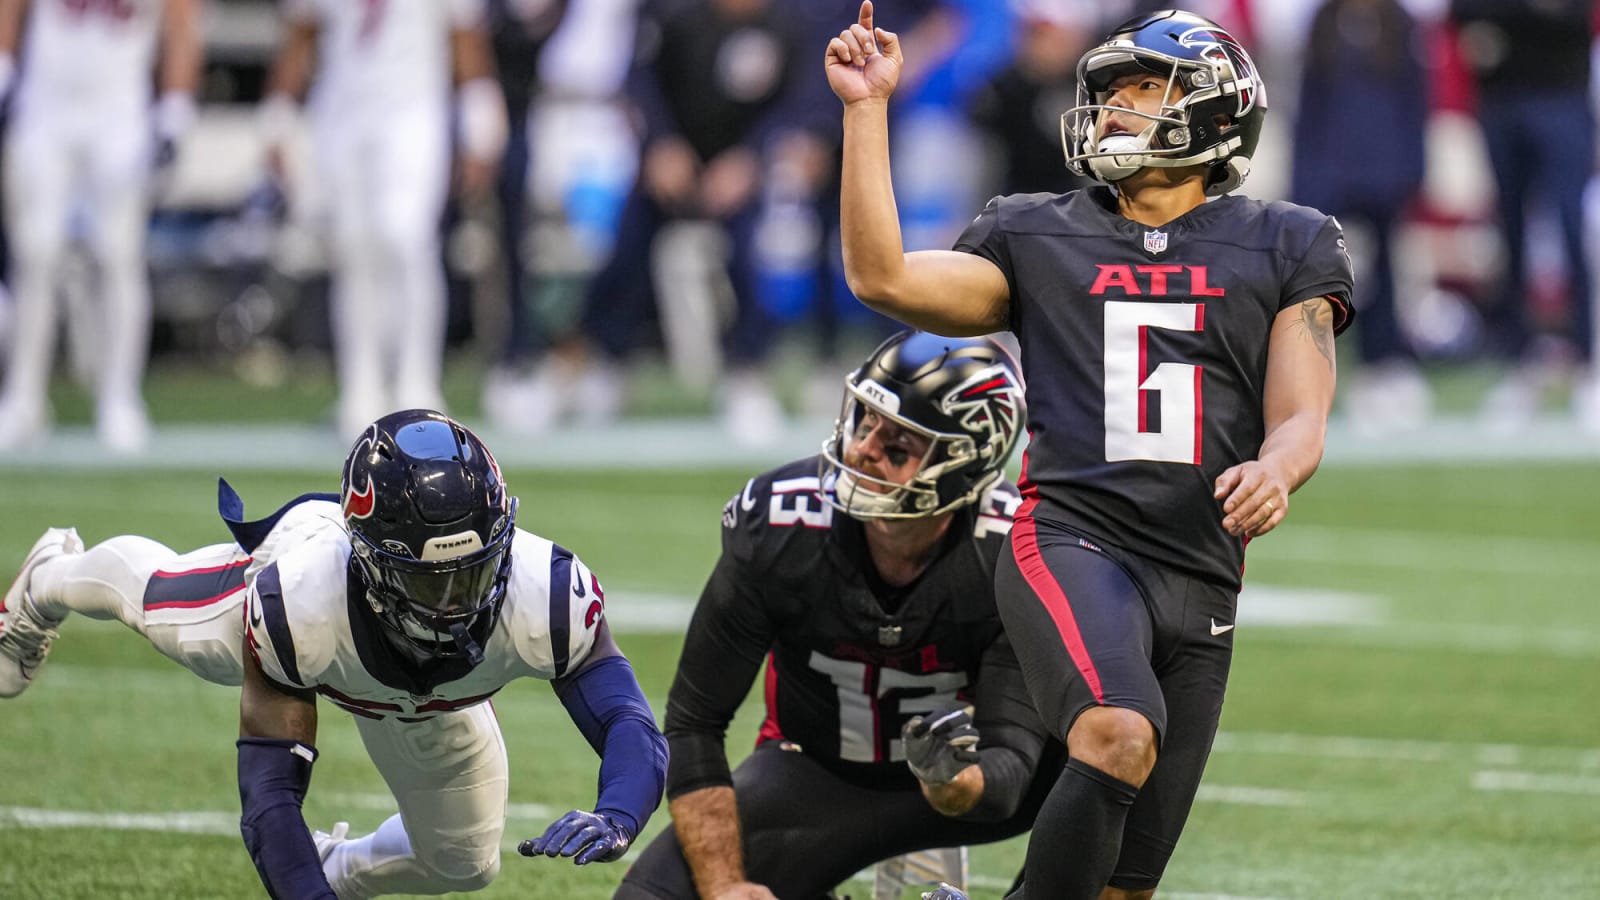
(1025,549)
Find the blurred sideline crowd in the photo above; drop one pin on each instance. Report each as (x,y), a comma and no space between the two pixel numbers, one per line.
(562,188)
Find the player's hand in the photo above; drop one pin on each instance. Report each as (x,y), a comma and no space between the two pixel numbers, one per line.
(940,746)
(864,61)
(1255,498)
(586,836)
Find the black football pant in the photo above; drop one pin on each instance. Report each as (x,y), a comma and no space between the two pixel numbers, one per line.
(806,830)
(1096,627)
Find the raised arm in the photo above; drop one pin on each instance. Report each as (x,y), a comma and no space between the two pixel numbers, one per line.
(277,745)
(1301,374)
(942,291)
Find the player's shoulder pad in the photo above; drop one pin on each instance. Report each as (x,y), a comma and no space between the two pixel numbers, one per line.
(1291,227)
(296,607)
(995,511)
(554,606)
(774,510)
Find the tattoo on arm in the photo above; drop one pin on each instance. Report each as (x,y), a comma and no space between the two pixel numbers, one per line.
(1316,321)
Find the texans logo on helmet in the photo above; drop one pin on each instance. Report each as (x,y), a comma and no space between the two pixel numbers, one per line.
(986,402)
(358,504)
(1219,46)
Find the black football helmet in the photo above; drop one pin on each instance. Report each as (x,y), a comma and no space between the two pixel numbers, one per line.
(1217,121)
(431,526)
(964,394)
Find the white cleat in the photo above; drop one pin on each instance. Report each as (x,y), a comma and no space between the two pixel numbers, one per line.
(326,841)
(25,635)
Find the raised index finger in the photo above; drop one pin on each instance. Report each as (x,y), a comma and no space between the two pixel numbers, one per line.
(866,15)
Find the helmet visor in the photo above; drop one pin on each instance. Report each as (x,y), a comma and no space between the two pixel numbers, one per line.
(435,595)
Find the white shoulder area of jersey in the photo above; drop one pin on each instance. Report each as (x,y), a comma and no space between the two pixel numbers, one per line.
(996,510)
(299,524)
(298,606)
(553,608)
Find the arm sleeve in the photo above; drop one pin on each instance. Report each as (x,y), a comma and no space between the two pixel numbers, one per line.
(728,637)
(605,702)
(273,777)
(1012,737)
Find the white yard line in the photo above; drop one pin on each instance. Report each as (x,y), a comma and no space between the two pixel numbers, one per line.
(1535,783)
(1308,746)
(1240,795)
(185,822)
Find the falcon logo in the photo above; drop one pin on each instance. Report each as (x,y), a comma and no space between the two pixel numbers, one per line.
(1239,75)
(987,403)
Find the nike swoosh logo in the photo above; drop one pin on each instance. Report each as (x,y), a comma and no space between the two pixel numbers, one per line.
(1219,629)
(255,617)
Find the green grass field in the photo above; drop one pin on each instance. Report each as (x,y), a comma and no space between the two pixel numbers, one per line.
(1412,711)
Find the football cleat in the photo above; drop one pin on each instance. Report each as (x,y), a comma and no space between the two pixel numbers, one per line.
(326,841)
(25,635)
(945,892)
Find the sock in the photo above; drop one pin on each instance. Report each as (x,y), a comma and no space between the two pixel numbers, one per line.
(1077,836)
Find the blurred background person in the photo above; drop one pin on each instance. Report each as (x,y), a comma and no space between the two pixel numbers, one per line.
(518,33)
(380,111)
(1358,155)
(1531,64)
(708,88)
(82,149)
(1019,108)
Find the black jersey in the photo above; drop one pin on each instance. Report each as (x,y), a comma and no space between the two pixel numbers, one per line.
(1145,355)
(849,658)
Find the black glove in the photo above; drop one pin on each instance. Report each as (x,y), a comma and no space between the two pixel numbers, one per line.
(590,837)
(940,746)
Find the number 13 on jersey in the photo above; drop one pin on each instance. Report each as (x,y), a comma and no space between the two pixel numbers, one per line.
(1131,385)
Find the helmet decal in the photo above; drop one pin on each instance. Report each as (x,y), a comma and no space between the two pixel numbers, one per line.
(988,402)
(358,504)
(1219,46)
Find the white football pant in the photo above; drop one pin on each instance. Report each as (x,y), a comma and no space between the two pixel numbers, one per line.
(385,180)
(101,159)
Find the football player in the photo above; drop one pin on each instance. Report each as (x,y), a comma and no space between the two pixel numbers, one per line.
(1179,355)
(407,601)
(897,719)
(84,136)
(380,111)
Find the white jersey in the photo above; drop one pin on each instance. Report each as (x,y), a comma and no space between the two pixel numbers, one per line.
(99,52)
(381,55)
(298,624)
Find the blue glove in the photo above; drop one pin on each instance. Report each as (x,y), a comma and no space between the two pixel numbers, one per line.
(940,746)
(590,837)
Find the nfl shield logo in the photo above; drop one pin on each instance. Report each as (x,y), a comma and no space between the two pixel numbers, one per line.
(1155,241)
